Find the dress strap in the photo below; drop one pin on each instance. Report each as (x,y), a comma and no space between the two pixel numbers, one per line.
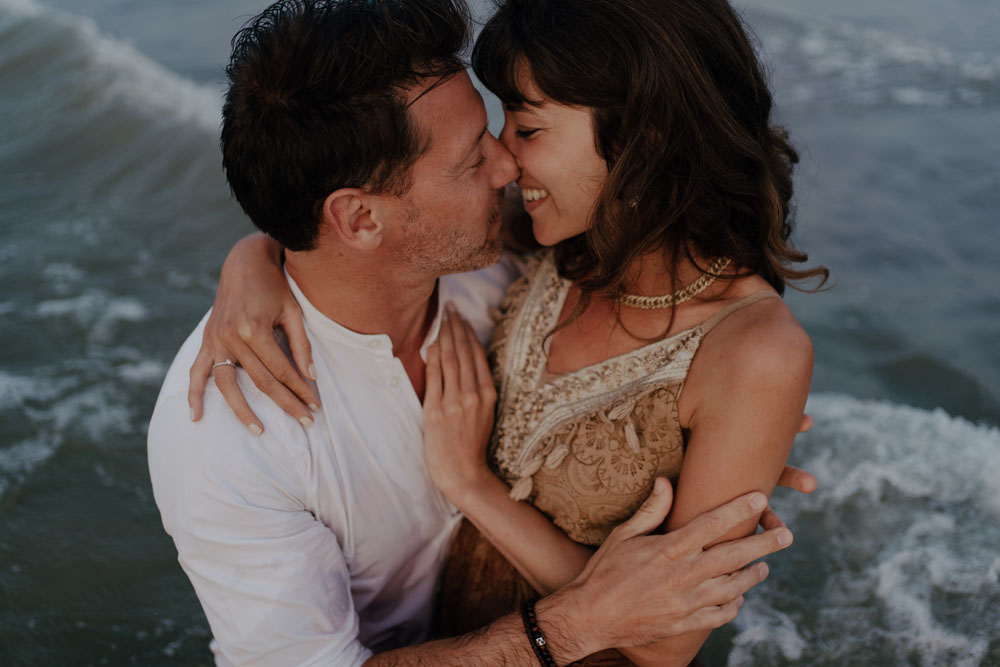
(736,305)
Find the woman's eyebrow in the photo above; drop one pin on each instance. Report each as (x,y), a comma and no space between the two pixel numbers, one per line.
(526,106)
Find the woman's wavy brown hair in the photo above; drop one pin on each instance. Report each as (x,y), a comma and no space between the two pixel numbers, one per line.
(682,117)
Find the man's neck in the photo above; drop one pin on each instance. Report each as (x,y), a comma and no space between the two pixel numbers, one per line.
(368,300)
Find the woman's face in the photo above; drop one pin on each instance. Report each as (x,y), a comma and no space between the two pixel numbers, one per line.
(561,171)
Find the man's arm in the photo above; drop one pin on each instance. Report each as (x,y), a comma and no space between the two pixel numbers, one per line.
(637,589)
(271,577)
(275,589)
(273,582)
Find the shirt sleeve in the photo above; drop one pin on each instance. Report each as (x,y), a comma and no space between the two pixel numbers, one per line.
(271,578)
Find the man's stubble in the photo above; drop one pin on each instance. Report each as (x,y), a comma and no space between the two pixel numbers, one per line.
(440,250)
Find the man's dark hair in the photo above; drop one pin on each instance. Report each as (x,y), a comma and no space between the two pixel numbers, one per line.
(316,102)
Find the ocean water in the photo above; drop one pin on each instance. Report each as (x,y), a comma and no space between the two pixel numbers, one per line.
(114,218)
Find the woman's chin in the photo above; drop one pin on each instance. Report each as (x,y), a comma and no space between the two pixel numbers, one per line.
(546,235)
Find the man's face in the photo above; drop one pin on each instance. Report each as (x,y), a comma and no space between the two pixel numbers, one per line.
(449,221)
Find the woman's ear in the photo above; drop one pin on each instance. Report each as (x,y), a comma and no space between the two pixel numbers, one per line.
(347,214)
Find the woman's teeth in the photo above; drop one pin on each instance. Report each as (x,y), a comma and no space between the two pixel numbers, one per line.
(531,194)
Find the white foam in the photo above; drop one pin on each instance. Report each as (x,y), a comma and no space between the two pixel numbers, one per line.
(140,81)
(763,626)
(144,372)
(63,276)
(24,8)
(123,75)
(993,574)
(25,457)
(96,310)
(19,460)
(838,62)
(908,606)
(924,454)
(15,390)
(904,537)
(66,407)
(911,96)
(97,412)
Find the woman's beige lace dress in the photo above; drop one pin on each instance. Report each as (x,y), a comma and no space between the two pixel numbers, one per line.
(584,447)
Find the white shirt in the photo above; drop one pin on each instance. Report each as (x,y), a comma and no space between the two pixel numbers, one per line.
(310,546)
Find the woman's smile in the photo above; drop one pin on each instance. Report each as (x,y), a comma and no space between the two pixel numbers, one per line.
(533,198)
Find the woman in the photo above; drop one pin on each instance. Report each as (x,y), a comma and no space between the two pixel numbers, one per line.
(651,340)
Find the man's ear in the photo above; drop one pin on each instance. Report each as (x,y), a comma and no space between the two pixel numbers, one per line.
(347,213)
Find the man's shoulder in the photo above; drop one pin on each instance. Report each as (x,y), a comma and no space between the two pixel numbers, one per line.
(217,451)
(175,388)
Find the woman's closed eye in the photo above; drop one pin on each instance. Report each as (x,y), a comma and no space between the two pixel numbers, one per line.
(524,134)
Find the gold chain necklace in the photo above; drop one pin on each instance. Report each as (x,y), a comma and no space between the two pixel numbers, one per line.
(681,295)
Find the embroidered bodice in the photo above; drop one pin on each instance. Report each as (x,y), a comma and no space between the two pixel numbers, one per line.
(585,446)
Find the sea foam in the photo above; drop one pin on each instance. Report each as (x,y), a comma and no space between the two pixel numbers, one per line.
(113,71)
(902,535)
(95,310)
(840,62)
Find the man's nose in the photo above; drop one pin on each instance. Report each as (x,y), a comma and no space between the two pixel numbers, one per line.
(506,167)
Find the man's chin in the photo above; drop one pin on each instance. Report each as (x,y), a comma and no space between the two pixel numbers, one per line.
(487,256)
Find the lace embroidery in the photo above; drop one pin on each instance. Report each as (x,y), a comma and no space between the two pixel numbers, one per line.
(584,446)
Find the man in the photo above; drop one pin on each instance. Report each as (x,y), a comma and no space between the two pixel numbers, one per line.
(353,136)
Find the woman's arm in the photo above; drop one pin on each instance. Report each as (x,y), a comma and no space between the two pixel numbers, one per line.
(746,391)
(458,409)
(540,551)
(254,298)
(458,419)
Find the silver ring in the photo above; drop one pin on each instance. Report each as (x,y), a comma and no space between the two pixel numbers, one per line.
(227,362)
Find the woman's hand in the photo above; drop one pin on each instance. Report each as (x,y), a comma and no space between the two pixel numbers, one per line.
(458,407)
(798,479)
(252,300)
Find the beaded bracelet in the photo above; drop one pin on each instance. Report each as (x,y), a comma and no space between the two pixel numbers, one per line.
(535,636)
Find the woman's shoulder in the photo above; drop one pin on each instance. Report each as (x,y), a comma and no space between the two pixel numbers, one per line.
(757,353)
(756,339)
(762,346)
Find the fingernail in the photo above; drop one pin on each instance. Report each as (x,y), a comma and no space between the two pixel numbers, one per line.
(450,307)
(660,486)
(193,418)
(784,537)
(314,407)
(256,430)
(762,571)
(758,502)
(739,601)
(306,421)
(312,371)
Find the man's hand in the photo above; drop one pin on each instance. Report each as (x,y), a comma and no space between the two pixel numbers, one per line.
(640,588)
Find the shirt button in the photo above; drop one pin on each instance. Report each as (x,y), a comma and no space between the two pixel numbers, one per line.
(394,382)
